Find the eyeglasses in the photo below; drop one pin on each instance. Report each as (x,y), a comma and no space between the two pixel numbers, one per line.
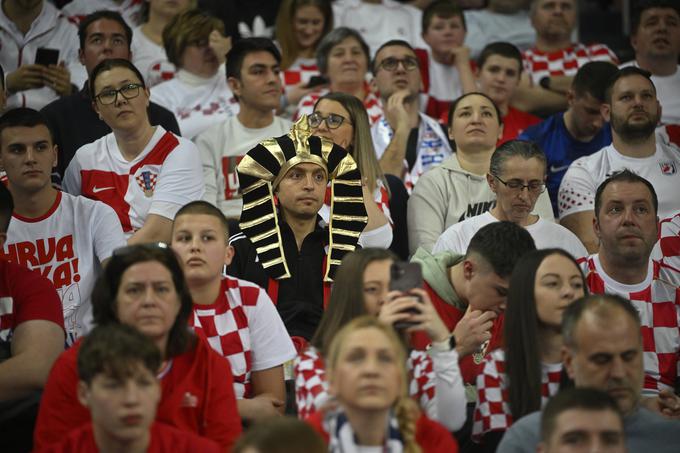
(129,91)
(534,187)
(333,120)
(390,64)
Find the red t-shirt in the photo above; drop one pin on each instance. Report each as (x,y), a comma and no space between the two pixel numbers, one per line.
(164,438)
(431,436)
(514,124)
(197,396)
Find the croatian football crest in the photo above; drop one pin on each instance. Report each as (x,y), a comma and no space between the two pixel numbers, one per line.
(667,168)
(147,181)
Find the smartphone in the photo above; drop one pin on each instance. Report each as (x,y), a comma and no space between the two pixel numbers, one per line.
(404,277)
(46,57)
(317,80)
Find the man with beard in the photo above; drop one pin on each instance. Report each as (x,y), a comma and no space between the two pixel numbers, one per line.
(632,108)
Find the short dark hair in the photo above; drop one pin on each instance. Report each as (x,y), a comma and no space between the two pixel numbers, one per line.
(23,117)
(203,207)
(588,399)
(501,245)
(116,350)
(334,38)
(521,148)
(626,72)
(628,176)
(107,65)
(593,78)
(390,43)
(502,48)
(444,9)
(245,46)
(603,304)
(641,6)
(455,103)
(6,208)
(105,291)
(281,435)
(99,15)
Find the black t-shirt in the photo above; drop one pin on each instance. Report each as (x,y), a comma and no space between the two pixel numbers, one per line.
(244,18)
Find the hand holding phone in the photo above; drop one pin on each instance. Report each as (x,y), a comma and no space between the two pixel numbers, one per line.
(404,277)
(46,57)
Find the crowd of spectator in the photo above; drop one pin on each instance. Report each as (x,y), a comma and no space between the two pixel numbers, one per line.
(338,225)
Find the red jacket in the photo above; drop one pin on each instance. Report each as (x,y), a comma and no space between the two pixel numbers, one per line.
(430,435)
(197,396)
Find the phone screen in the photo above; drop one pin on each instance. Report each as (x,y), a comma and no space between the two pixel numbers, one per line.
(46,57)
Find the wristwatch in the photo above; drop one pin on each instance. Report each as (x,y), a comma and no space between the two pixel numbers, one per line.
(446,345)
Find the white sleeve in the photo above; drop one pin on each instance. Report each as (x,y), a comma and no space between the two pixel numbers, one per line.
(450,400)
(72,180)
(543,207)
(380,237)
(577,190)
(107,232)
(271,344)
(450,241)
(180,180)
(211,167)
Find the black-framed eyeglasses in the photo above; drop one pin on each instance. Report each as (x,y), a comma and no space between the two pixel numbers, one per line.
(534,187)
(109,96)
(127,249)
(333,120)
(390,64)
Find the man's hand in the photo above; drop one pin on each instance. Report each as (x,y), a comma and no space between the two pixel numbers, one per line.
(58,78)
(460,56)
(395,111)
(473,330)
(26,77)
(665,403)
(261,407)
(219,44)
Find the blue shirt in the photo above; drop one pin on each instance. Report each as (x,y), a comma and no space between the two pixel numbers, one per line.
(561,149)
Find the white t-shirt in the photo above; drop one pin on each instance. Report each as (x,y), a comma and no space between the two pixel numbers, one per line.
(662,170)
(165,176)
(150,59)
(444,80)
(131,10)
(196,102)
(485,27)
(67,245)
(546,234)
(222,146)
(668,94)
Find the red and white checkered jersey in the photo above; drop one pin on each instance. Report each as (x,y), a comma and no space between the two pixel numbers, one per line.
(131,10)
(667,249)
(564,62)
(67,245)
(371,103)
(165,176)
(492,412)
(657,300)
(243,326)
(299,72)
(151,59)
(311,388)
(580,182)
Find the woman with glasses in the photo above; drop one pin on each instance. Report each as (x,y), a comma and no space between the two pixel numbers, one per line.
(517,176)
(343,58)
(143,286)
(143,172)
(367,377)
(520,377)
(198,95)
(342,118)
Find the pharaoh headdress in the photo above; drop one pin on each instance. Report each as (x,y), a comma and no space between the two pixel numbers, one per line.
(260,172)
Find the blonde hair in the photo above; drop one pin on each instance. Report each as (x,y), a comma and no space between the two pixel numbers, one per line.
(362,143)
(284,33)
(405,409)
(186,28)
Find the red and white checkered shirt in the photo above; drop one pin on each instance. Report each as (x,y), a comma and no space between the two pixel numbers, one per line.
(492,412)
(668,247)
(657,300)
(244,327)
(371,103)
(299,72)
(311,388)
(564,62)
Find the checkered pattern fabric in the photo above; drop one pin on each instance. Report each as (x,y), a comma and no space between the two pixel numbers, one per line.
(6,319)
(225,325)
(371,103)
(311,388)
(160,72)
(669,241)
(565,62)
(658,305)
(492,412)
(298,73)
(147,180)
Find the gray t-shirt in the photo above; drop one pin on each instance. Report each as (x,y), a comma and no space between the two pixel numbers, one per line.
(645,431)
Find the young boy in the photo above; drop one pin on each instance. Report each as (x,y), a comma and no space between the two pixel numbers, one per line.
(237,317)
(445,66)
(117,367)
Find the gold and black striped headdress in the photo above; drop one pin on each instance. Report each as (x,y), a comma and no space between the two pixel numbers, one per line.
(260,172)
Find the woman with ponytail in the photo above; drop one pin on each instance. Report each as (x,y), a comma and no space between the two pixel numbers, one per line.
(368,379)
